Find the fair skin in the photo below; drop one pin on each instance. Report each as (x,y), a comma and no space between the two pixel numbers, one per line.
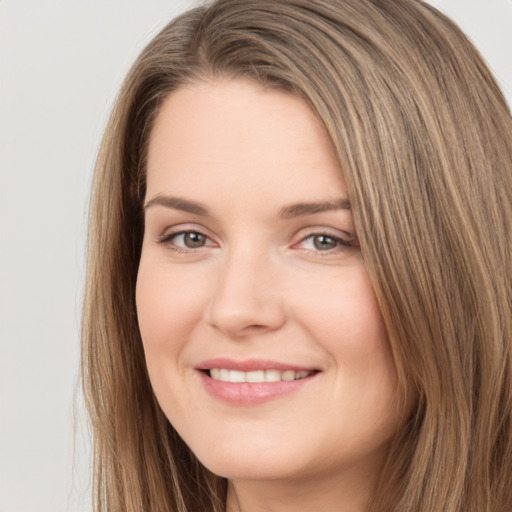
(238,275)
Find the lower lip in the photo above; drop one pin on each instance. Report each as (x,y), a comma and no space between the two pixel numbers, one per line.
(251,393)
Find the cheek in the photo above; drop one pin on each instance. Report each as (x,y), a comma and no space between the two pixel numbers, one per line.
(344,314)
(345,320)
(168,307)
(168,310)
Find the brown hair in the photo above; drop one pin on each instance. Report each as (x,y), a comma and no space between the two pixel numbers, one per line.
(424,139)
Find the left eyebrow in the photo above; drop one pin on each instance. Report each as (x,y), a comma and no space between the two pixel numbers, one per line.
(303,209)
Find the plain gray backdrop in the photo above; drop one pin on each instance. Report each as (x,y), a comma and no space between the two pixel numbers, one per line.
(61,63)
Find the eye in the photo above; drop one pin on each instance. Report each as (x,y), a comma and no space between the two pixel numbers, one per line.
(191,239)
(186,240)
(325,242)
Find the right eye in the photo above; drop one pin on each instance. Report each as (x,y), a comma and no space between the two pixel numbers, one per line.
(186,240)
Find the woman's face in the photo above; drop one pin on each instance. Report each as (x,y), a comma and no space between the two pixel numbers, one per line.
(263,338)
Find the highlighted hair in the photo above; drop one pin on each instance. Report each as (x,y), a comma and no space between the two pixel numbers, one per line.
(424,140)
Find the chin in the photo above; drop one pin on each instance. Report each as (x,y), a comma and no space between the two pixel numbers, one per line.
(247,467)
(247,455)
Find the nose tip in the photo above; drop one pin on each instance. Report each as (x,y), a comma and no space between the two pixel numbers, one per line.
(244,304)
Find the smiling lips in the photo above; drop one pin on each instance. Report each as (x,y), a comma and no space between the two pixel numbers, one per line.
(251,382)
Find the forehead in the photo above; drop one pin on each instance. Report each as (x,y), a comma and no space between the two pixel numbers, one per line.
(235,135)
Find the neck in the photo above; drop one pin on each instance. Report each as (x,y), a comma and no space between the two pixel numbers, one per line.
(326,494)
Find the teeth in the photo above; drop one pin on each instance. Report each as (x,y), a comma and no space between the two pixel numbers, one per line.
(288,375)
(257,375)
(272,376)
(237,376)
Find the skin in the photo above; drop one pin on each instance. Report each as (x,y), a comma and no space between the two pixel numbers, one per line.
(262,286)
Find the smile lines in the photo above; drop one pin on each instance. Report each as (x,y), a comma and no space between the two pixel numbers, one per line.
(258,376)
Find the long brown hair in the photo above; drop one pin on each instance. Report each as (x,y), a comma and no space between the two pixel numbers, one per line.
(424,140)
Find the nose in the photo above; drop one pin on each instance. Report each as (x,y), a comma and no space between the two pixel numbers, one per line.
(246,299)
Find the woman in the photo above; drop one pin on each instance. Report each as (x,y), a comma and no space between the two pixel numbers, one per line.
(298,290)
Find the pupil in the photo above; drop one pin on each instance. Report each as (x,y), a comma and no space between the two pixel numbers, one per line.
(323,242)
(193,240)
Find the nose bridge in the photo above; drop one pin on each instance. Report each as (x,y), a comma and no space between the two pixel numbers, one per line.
(245,298)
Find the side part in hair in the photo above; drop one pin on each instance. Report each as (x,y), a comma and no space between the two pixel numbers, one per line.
(424,140)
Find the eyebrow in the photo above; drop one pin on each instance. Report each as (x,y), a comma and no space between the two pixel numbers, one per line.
(303,209)
(287,212)
(178,203)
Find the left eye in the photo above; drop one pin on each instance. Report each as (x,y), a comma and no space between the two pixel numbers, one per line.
(322,242)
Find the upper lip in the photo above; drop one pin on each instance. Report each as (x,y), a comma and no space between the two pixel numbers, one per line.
(249,365)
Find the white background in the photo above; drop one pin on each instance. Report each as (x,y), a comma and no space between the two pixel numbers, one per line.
(61,63)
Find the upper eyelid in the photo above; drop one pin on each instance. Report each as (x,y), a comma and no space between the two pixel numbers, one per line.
(185,228)
(167,236)
(333,232)
(346,242)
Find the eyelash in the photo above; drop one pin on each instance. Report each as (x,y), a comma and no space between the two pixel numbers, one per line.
(341,243)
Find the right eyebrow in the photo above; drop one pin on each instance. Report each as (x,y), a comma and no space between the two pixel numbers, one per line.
(177,203)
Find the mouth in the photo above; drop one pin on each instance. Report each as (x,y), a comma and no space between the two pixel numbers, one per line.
(257,376)
(254,381)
